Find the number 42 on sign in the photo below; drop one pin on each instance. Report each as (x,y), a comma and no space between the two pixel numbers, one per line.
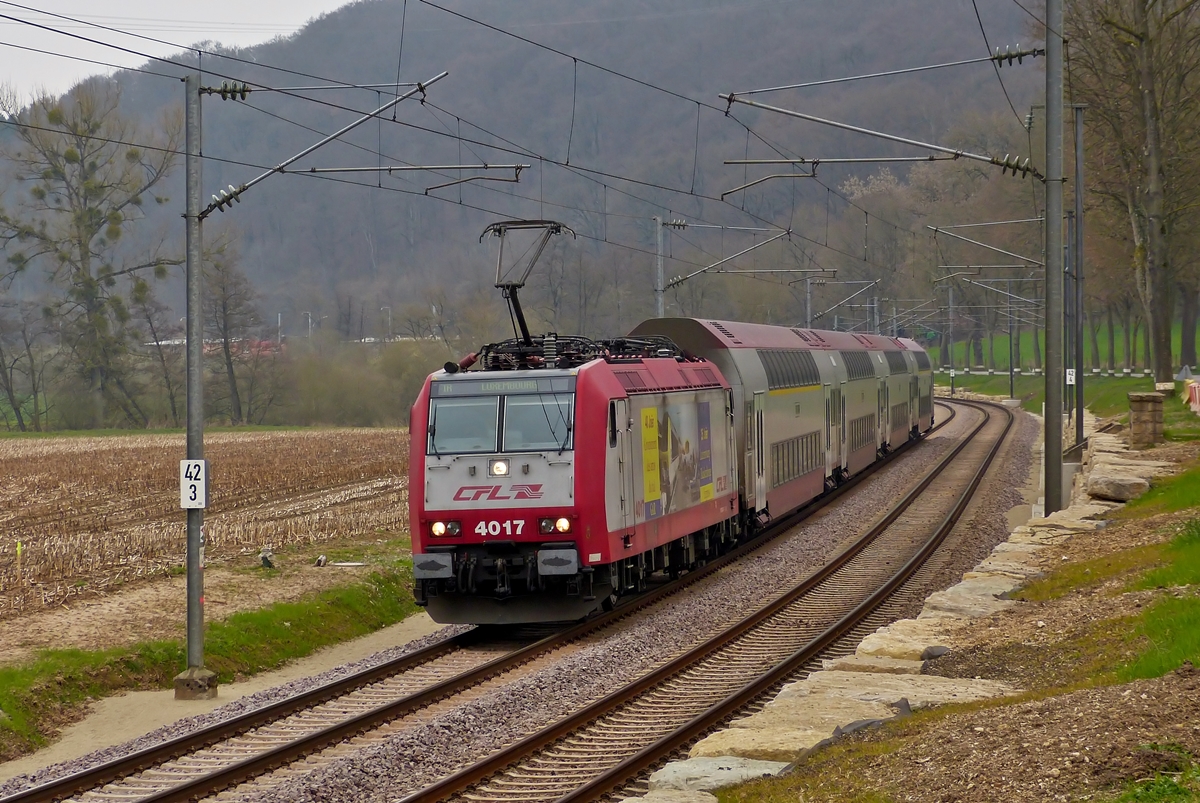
(193,484)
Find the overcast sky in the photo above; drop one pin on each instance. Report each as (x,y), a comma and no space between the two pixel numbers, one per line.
(231,22)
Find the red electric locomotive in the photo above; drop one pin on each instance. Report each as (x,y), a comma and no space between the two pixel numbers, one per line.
(539,493)
(561,472)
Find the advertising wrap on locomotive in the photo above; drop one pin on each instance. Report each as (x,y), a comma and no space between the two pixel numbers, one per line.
(558,474)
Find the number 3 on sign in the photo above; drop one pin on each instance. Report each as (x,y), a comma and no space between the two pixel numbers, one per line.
(193,484)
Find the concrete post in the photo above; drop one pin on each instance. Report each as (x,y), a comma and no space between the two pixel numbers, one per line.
(196,682)
(1145,419)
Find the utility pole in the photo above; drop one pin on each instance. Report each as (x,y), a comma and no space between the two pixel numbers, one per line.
(1011,329)
(1054,258)
(1068,312)
(808,302)
(196,682)
(389,312)
(658,262)
(950,329)
(1079,324)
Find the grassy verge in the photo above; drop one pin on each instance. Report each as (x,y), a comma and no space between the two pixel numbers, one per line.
(1168,495)
(1105,396)
(39,697)
(1149,643)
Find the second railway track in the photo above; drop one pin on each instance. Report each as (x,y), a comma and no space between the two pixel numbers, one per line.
(422,683)
(613,741)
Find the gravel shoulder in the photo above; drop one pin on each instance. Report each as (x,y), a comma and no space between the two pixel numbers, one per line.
(1075,734)
(484,724)
(119,720)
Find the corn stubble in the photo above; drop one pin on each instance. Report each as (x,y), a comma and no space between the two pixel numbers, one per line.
(91,514)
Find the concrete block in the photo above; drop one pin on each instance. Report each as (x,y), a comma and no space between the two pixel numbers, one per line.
(702,774)
(1117,487)
(790,726)
(874,663)
(919,691)
(907,639)
(672,796)
(963,602)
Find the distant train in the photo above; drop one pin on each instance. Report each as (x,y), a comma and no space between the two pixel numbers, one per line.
(560,472)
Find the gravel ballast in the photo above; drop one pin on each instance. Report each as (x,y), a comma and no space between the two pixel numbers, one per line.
(417,756)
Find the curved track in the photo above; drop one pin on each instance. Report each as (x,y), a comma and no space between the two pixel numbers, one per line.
(231,752)
(613,741)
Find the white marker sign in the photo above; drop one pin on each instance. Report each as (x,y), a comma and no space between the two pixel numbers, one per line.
(193,484)
(1070,376)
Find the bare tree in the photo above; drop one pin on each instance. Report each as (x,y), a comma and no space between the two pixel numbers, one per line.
(86,185)
(25,355)
(155,326)
(230,318)
(1137,65)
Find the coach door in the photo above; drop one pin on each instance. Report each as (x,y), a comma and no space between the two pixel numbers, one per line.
(620,428)
(842,423)
(834,416)
(884,417)
(914,401)
(760,458)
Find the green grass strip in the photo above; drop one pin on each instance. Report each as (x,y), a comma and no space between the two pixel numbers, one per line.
(33,696)
(1171,628)
(1183,566)
(1166,495)
(1182,787)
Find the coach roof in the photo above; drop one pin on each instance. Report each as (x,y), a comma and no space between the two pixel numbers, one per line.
(735,335)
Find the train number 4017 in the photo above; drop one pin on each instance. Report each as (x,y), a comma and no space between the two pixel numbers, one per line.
(497,527)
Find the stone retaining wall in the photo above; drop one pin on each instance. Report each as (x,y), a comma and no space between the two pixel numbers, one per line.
(883,679)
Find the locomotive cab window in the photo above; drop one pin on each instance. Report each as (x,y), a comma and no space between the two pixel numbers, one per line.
(536,423)
(474,424)
(464,426)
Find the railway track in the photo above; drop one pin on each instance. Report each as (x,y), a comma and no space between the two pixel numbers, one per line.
(230,753)
(609,744)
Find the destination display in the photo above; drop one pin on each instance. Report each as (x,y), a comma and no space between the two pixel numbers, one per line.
(501,387)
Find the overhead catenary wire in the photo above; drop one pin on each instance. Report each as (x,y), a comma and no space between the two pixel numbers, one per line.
(335,179)
(885,74)
(201,51)
(574,168)
(98,63)
(995,65)
(156,40)
(605,239)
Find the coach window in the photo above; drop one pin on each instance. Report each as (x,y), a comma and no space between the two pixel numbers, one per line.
(464,426)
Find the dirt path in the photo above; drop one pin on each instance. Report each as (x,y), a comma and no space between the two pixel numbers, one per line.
(157,609)
(116,720)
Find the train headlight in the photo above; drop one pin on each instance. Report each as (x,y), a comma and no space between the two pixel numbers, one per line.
(499,468)
(546,526)
(563,525)
(438,528)
(443,528)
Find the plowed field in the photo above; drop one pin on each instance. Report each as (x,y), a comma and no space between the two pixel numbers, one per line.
(93,514)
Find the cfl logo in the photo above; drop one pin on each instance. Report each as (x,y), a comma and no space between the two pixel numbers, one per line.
(494,493)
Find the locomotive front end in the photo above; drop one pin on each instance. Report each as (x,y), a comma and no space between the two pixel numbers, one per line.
(494,527)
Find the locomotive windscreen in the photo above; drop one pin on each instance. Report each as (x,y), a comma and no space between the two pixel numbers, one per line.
(464,426)
(534,423)
(527,423)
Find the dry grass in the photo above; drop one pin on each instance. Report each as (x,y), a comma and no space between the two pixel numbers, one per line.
(93,513)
